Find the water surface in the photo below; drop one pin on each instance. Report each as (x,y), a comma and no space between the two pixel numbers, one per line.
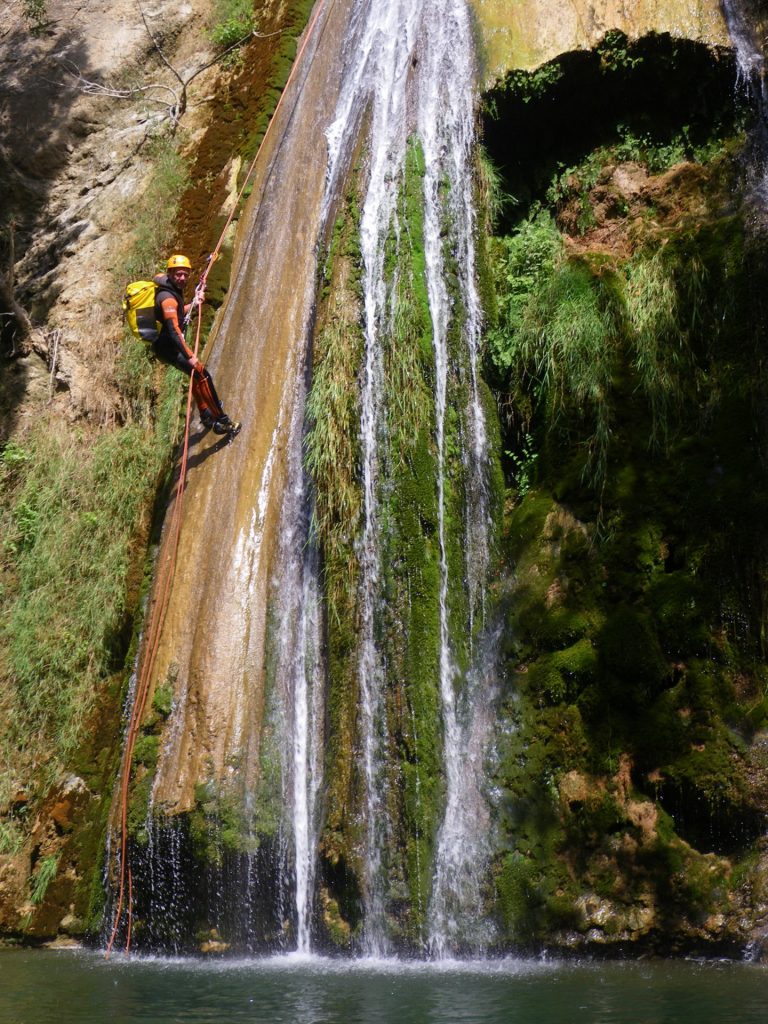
(82,988)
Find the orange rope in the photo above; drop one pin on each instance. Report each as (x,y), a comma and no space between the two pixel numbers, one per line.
(156,616)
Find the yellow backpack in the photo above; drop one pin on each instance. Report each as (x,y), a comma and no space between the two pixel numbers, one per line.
(139,307)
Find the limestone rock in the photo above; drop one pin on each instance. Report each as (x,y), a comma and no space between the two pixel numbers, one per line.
(531,32)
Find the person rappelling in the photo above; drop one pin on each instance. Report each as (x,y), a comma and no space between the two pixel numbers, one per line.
(171,314)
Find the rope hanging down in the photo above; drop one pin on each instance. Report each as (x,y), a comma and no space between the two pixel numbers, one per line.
(164,577)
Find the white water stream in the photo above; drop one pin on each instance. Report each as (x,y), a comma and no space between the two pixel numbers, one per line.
(412,63)
(407,69)
(751,77)
(300,683)
(446,128)
(750,60)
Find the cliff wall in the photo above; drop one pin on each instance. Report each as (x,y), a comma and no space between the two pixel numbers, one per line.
(629,775)
(525,35)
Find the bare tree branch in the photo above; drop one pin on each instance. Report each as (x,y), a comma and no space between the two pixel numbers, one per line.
(53,346)
(90,87)
(157,46)
(174,104)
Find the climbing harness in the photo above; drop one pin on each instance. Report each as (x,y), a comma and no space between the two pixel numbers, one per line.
(165,571)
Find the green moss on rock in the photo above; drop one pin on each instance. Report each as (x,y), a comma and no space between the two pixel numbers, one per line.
(627,767)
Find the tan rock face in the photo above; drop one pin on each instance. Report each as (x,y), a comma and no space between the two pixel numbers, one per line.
(213,640)
(528,33)
(71,179)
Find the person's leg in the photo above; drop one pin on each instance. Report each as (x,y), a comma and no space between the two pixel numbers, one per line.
(208,400)
(203,389)
(205,396)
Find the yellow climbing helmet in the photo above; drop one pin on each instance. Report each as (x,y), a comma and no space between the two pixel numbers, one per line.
(178,261)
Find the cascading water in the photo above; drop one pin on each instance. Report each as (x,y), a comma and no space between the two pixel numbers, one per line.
(298,674)
(407,76)
(446,128)
(413,63)
(751,76)
(750,59)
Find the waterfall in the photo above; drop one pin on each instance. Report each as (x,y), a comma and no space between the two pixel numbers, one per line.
(411,63)
(751,77)
(244,649)
(446,127)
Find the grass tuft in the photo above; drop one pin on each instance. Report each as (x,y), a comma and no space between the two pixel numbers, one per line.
(43,876)
(330,445)
(153,217)
(659,345)
(567,348)
(234,20)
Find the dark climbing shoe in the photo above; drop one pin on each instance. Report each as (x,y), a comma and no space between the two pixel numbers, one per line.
(207,419)
(224,425)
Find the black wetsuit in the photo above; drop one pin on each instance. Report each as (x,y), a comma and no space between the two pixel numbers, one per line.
(170,347)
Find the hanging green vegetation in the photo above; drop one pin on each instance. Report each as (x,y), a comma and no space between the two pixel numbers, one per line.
(557,333)
(11,837)
(491,195)
(520,263)
(576,335)
(68,532)
(661,353)
(44,874)
(331,442)
(566,347)
(332,457)
(410,559)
